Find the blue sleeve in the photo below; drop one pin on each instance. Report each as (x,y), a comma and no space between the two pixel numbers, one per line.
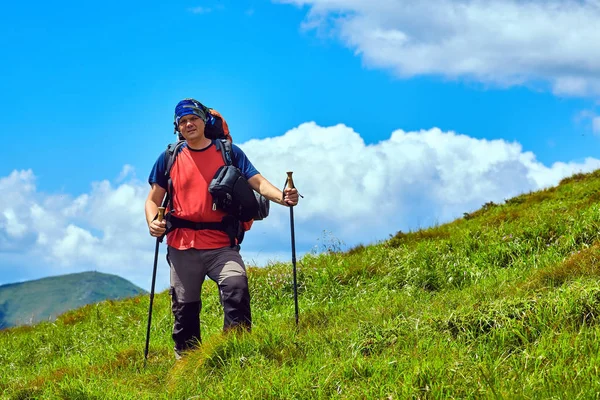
(157,175)
(241,161)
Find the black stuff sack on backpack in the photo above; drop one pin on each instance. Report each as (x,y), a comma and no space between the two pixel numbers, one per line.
(232,194)
(263,207)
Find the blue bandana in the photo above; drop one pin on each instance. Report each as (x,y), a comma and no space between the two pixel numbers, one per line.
(190,106)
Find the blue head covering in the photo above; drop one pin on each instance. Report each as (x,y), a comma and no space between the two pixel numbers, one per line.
(190,106)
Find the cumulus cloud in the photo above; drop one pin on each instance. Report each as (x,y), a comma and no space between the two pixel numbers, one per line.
(103,229)
(353,193)
(413,178)
(500,42)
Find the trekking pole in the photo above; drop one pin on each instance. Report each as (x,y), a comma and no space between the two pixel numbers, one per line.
(161,213)
(290,184)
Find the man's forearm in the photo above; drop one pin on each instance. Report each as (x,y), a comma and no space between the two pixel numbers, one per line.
(151,211)
(154,199)
(264,187)
(271,192)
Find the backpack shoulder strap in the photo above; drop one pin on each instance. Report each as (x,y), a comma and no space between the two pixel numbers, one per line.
(226,151)
(171,154)
(172,151)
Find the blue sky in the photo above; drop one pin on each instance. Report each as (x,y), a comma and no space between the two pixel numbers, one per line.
(392,115)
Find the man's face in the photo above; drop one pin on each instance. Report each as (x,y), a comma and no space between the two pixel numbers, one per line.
(191,127)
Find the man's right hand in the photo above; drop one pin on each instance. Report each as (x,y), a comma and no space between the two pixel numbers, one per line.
(157,228)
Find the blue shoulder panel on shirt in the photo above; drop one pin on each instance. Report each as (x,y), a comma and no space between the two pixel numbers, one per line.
(243,163)
(157,175)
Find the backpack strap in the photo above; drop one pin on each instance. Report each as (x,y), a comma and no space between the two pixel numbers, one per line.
(235,227)
(172,151)
(228,224)
(226,151)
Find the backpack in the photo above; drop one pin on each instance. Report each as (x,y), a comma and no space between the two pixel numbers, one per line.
(231,192)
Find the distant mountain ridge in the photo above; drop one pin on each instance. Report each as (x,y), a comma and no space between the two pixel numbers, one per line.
(26,303)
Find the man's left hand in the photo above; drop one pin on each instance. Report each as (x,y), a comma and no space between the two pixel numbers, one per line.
(290,197)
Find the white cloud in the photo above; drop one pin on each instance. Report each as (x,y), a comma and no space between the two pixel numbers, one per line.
(76,243)
(200,10)
(353,193)
(596,125)
(103,229)
(501,42)
(363,192)
(592,118)
(126,172)
(13,227)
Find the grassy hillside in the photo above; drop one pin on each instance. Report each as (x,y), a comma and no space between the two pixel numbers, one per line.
(503,303)
(44,299)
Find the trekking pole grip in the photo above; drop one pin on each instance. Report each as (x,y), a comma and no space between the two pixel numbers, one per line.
(290,181)
(161,214)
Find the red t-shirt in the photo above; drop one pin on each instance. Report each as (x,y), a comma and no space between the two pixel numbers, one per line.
(191,175)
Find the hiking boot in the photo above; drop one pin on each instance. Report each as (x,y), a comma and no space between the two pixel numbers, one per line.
(178,354)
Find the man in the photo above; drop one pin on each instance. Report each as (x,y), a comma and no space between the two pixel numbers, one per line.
(194,254)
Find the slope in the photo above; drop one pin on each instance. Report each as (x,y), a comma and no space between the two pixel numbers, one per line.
(501,303)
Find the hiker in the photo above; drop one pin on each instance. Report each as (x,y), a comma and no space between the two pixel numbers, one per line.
(202,245)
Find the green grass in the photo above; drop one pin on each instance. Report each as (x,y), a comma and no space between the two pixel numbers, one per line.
(502,303)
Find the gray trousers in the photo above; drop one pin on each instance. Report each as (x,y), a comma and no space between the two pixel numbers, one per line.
(189,269)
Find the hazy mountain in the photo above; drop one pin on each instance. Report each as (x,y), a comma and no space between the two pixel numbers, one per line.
(30,302)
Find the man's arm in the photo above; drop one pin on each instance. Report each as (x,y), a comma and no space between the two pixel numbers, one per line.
(153,201)
(289,197)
